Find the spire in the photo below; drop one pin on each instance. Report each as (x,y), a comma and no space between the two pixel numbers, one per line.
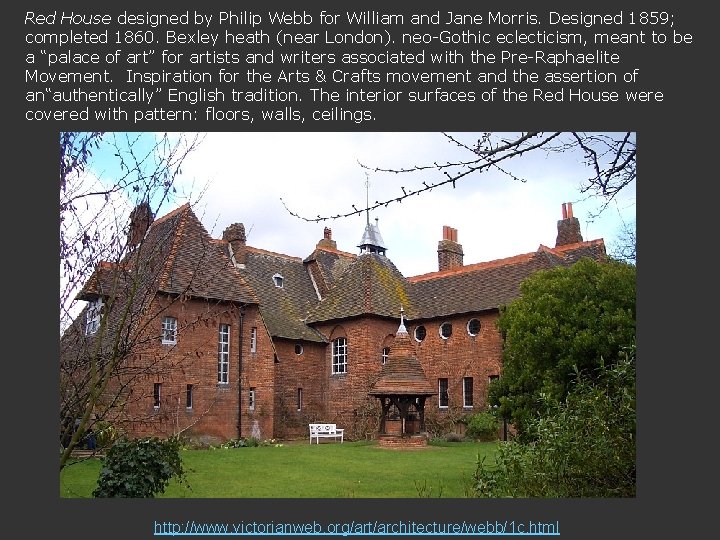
(372,241)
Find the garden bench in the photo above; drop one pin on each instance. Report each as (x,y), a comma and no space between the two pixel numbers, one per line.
(318,431)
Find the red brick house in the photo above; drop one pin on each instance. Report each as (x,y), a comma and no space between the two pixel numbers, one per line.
(237,341)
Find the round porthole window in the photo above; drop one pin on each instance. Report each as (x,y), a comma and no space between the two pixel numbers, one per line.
(445,330)
(420,333)
(298,349)
(473,327)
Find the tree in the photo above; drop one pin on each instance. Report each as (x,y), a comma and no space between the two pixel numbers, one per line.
(625,246)
(102,178)
(566,322)
(610,159)
(585,444)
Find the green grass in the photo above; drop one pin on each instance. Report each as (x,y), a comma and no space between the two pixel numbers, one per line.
(296,470)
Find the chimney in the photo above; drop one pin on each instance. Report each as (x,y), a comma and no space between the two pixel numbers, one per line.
(235,235)
(327,241)
(140,220)
(568,227)
(450,253)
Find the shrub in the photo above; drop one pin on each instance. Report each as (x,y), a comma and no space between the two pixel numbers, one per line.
(585,446)
(483,426)
(140,468)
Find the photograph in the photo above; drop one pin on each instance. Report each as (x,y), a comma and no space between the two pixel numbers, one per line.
(347,315)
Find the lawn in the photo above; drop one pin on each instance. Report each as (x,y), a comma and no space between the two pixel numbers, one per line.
(301,470)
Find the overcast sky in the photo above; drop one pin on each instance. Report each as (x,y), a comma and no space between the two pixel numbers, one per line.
(318,174)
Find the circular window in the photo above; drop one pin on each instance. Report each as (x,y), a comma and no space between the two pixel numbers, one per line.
(445,330)
(420,333)
(473,327)
(298,349)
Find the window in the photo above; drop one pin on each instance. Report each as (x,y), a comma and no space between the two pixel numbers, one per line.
(445,330)
(385,354)
(251,399)
(189,396)
(443,398)
(156,395)
(473,327)
(298,349)
(253,339)
(467,392)
(278,280)
(420,333)
(169,331)
(92,317)
(299,399)
(224,354)
(339,355)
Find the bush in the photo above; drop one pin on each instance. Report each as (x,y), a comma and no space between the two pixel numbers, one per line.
(585,446)
(140,468)
(483,426)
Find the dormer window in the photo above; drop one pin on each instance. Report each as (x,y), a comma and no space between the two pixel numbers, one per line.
(92,317)
(278,280)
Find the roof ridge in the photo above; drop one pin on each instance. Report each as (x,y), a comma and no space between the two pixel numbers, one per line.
(260,251)
(507,261)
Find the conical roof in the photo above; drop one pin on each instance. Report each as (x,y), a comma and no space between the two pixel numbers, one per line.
(402,373)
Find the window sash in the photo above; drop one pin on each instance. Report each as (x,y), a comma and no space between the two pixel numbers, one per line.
(223,353)
(468,392)
(169,330)
(443,397)
(253,339)
(156,395)
(339,356)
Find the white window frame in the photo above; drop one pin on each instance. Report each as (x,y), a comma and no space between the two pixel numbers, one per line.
(224,354)
(251,399)
(339,356)
(415,333)
(169,331)
(278,280)
(189,396)
(465,393)
(299,398)
(440,330)
(93,316)
(157,395)
(253,339)
(440,392)
(385,355)
(479,327)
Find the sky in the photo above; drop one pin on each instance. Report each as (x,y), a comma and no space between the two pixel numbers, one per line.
(261,179)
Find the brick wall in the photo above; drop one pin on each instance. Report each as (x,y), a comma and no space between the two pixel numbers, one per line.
(193,360)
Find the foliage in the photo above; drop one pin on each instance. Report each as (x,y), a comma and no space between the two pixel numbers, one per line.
(585,446)
(564,323)
(140,468)
(249,442)
(483,426)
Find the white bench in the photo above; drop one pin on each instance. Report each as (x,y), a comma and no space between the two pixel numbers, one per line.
(318,431)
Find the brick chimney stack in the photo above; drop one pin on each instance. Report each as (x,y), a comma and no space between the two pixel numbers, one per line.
(327,241)
(568,227)
(235,235)
(450,253)
(140,220)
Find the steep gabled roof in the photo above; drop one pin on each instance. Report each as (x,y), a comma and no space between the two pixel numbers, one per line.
(284,308)
(177,256)
(194,265)
(371,285)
